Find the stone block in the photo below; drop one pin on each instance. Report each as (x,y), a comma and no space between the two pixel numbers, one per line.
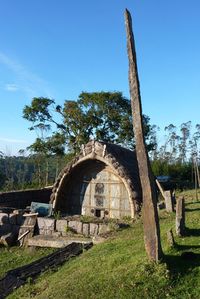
(46,223)
(4,219)
(86,229)
(73,225)
(13,219)
(180,217)
(94,229)
(79,227)
(41,231)
(169,201)
(56,234)
(61,225)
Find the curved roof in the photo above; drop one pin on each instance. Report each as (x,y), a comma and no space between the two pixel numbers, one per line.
(123,162)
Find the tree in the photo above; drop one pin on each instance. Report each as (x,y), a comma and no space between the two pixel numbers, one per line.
(104,116)
(185,134)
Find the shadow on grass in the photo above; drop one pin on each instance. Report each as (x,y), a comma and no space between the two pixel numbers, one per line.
(180,265)
(192,210)
(192,202)
(192,232)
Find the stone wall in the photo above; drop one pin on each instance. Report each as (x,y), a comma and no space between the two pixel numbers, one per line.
(22,199)
(11,222)
(62,227)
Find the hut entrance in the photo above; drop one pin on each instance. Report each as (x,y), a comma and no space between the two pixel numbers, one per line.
(103,194)
(95,190)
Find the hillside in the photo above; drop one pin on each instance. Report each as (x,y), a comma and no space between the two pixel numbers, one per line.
(118,268)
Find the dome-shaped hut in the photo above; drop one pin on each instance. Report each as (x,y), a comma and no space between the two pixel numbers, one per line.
(103,181)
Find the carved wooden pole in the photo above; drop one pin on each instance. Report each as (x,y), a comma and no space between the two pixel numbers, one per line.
(150,213)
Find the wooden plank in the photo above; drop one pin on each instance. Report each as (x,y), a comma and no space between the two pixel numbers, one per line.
(30,223)
(23,235)
(31,214)
(160,188)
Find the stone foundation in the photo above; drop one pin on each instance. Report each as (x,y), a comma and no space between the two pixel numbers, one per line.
(11,221)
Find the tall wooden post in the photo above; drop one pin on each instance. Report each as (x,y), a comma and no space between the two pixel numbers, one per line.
(150,213)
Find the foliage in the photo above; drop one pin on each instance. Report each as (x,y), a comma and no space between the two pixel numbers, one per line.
(181,144)
(180,174)
(57,215)
(21,172)
(104,116)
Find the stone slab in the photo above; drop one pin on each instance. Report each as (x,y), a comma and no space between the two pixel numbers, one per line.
(86,229)
(94,229)
(73,225)
(61,225)
(55,242)
(46,223)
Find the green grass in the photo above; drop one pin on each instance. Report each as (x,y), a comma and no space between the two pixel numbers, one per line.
(14,257)
(119,268)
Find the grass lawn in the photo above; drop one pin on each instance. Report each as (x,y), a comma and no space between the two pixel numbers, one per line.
(118,268)
(14,257)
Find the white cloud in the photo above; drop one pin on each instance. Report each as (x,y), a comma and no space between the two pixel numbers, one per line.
(11,87)
(28,82)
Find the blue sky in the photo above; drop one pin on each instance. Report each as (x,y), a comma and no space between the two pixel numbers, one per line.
(60,48)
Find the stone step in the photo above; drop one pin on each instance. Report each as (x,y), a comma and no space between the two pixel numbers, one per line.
(55,242)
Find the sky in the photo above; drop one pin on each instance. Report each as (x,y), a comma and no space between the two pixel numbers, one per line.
(59,48)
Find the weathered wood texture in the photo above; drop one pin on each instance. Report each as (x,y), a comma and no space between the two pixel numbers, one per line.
(180,216)
(17,277)
(160,188)
(150,214)
(27,229)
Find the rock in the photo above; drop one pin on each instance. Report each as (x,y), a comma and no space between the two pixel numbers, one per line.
(46,225)
(73,225)
(94,229)
(169,203)
(86,228)
(180,217)
(61,225)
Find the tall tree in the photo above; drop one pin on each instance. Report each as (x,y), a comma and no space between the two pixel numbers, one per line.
(172,141)
(102,116)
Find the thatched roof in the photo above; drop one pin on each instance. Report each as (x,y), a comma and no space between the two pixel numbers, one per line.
(123,162)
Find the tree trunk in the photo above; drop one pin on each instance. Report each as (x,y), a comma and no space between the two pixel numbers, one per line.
(47,173)
(150,213)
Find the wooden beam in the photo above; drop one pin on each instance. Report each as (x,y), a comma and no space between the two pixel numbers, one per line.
(150,213)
